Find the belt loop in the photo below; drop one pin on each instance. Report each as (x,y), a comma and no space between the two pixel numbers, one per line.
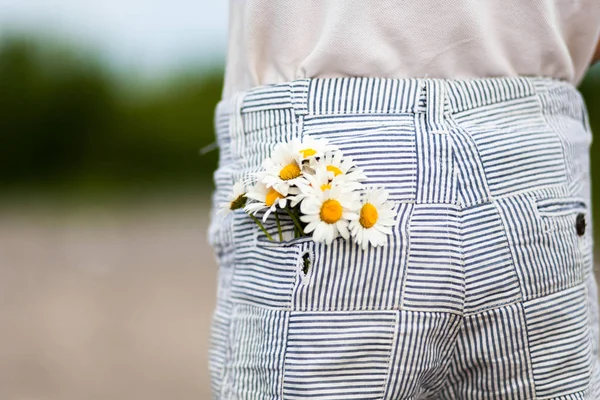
(236,125)
(299,97)
(436,106)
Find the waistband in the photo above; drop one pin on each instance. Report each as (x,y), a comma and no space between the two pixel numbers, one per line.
(363,95)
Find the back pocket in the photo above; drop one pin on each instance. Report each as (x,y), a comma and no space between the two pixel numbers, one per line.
(344,277)
(549,242)
(338,355)
(265,271)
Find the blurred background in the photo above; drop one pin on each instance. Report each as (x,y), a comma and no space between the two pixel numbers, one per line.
(107,283)
(106,280)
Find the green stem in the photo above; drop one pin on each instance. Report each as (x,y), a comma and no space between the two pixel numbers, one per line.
(260,225)
(295,219)
(278,226)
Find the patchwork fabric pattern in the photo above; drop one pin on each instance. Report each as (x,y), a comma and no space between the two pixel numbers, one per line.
(355,279)
(485,288)
(559,342)
(322,360)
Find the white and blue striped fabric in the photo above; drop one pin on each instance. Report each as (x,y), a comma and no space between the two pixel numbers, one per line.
(485,289)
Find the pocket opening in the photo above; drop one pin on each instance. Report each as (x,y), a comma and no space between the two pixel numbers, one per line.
(556,207)
(563,214)
(288,238)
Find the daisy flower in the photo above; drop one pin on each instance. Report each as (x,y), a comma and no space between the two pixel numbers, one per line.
(328,212)
(265,198)
(310,147)
(282,169)
(376,217)
(320,180)
(237,199)
(340,167)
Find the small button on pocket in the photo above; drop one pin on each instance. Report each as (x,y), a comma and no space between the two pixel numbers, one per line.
(580,224)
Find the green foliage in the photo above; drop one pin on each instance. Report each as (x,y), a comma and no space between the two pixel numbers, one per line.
(67,123)
(590,88)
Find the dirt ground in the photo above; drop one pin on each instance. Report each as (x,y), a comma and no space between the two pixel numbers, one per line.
(109,303)
(105,304)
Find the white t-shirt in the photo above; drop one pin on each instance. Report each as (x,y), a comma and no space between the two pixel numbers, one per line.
(274,41)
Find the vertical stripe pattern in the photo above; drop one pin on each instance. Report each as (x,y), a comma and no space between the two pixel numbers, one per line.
(362,96)
(345,277)
(435,279)
(489,269)
(491,358)
(258,343)
(563,113)
(472,186)
(219,344)
(484,289)
(419,361)
(436,106)
(546,250)
(436,180)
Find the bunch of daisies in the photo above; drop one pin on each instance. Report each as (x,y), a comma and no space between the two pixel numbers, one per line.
(320,190)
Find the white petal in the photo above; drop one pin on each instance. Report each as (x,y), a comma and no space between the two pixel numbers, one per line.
(296,199)
(267,213)
(282,188)
(310,206)
(364,240)
(383,229)
(386,222)
(387,214)
(331,233)
(342,227)
(253,208)
(311,226)
(282,202)
(320,233)
(377,238)
(380,196)
(350,216)
(310,218)
(238,189)
(357,233)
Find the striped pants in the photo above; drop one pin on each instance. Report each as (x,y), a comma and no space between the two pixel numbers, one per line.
(485,289)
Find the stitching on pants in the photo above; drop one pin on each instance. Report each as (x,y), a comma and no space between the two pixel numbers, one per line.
(301,95)
(407,257)
(386,383)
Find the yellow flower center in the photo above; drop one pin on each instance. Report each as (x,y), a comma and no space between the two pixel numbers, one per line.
(368,215)
(290,171)
(331,211)
(272,196)
(336,171)
(325,187)
(308,152)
